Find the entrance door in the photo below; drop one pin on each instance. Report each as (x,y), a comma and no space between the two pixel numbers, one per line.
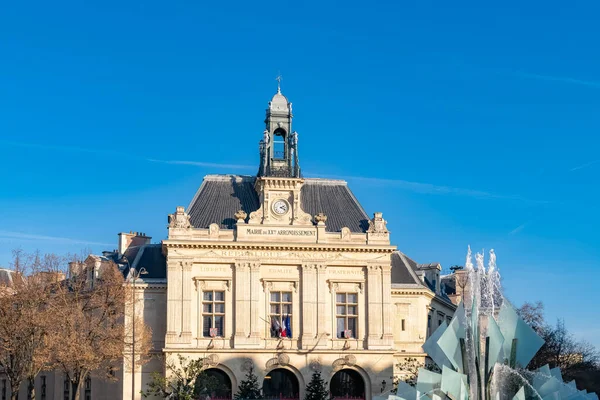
(213,384)
(347,384)
(281,384)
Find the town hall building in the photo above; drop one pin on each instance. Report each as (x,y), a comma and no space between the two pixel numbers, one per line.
(282,274)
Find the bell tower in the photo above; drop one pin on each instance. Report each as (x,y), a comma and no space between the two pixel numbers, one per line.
(279,179)
(279,145)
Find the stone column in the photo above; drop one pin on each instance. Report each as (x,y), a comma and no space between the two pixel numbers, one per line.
(374,308)
(309,304)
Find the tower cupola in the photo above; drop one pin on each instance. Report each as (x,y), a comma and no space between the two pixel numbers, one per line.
(279,145)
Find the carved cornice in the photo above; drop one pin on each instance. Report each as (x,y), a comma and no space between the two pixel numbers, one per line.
(334,284)
(202,282)
(409,291)
(177,244)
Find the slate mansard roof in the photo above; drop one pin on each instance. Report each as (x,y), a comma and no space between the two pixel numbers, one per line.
(221,196)
(150,257)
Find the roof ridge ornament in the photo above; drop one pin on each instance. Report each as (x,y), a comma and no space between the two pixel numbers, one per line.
(377,224)
(278,79)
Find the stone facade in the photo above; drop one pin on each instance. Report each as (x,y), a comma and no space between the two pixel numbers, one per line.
(253,257)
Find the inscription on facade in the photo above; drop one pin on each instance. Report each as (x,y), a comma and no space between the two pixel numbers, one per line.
(287,271)
(345,271)
(276,254)
(206,268)
(280,232)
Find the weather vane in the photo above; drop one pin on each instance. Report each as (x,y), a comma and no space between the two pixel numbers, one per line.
(278,79)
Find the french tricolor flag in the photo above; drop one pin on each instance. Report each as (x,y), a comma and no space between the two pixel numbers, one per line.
(286,329)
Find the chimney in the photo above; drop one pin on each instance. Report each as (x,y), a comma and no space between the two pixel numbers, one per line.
(127,240)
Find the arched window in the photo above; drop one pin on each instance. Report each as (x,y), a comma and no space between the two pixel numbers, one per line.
(279,137)
(347,383)
(213,384)
(280,383)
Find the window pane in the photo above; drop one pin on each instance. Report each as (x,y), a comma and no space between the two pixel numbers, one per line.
(340,297)
(207,307)
(352,326)
(352,310)
(274,308)
(275,325)
(208,296)
(206,326)
(220,308)
(219,296)
(275,296)
(286,297)
(341,325)
(340,310)
(219,324)
(352,298)
(287,309)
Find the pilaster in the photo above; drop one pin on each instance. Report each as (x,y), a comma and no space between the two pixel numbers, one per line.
(186,301)
(179,301)
(388,323)
(374,307)
(246,304)
(323,316)
(255,292)
(172,294)
(309,304)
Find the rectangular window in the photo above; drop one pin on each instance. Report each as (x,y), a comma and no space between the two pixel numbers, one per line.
(213,313)
(280,311)
(346,314)
(403,324)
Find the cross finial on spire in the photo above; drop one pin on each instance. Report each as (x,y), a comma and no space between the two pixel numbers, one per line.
(278,79)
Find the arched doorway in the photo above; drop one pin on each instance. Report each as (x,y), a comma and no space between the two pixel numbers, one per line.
(281,384)
(347,384)
(213,384)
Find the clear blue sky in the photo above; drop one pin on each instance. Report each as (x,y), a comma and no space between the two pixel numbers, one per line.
(465,123)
